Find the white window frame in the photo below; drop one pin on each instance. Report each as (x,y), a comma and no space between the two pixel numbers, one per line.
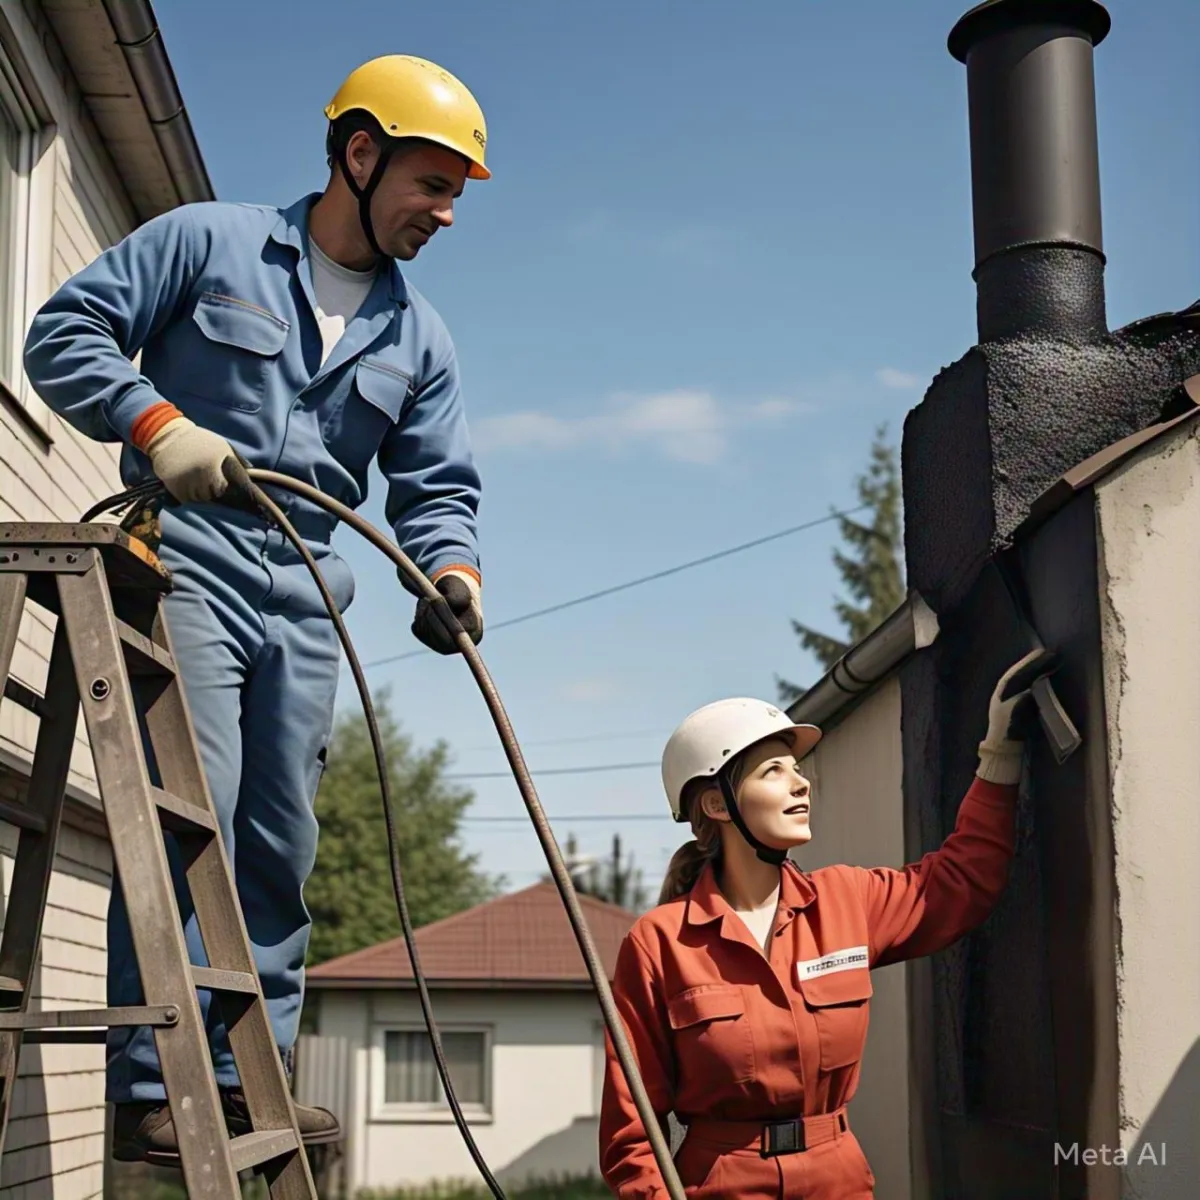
(27,241)
(427,1114)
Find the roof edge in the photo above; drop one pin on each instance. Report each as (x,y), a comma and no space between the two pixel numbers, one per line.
(141,43)
(374,984)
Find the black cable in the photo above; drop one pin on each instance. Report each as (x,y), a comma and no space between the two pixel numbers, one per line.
(248,480)
(277,515)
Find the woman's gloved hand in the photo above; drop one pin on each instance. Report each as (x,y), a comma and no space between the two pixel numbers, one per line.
(1011,715)
(463,594)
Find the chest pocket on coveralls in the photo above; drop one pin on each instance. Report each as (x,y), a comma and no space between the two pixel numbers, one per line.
(375,403)
(839,1004)
(241,341)
(713,1038)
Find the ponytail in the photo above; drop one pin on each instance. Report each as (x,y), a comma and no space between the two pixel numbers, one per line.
(683,870)
(689,861)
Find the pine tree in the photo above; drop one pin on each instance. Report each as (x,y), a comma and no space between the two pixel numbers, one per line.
(871,566)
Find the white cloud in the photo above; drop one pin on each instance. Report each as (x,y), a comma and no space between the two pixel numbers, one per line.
(893,377)
(686,425)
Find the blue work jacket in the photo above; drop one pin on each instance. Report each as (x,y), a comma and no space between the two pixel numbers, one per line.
(218,298)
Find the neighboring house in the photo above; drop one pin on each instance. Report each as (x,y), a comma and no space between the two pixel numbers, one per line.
(93,142)
(522,1032)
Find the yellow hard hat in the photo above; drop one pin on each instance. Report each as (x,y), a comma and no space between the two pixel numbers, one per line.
(412,97)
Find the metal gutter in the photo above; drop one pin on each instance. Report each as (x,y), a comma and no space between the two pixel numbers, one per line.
(140,41)
(912,627)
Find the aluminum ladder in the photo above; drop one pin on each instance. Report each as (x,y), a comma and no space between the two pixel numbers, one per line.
(112,656)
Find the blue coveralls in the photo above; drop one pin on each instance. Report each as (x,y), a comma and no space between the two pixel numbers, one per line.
(219,300)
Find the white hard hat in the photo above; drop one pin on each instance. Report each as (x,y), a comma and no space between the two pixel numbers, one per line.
(712,735)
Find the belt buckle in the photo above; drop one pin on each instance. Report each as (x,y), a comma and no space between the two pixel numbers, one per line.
(782,1137)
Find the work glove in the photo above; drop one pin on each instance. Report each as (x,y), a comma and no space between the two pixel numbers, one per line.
(462,593)
(1012,714)
(189,460)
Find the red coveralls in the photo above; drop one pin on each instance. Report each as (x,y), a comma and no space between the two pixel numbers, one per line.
(729,1039)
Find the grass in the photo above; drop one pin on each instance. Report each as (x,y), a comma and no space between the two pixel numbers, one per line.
(565,1188)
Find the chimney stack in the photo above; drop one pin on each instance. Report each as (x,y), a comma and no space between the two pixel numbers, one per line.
(1035,170)
(1048,385)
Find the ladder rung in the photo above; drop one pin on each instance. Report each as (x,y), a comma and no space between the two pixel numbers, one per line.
(142,656)
(224,981)
(86,1018)
(26,697)
(259,1147)
(22,817)
(182,816)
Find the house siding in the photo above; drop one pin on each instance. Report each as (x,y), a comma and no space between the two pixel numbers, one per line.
(55,1144)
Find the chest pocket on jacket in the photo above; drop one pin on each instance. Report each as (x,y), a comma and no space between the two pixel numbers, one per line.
(374,404)
(839,1004)
(712,1031)
(240,343)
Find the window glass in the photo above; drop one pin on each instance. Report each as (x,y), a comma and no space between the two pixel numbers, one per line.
(9,149)
(410,1074)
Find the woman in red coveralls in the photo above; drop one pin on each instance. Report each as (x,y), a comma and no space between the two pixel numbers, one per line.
(745,992)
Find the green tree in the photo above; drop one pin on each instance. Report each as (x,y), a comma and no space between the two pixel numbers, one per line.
(871,566)
(350,892)
(615,879)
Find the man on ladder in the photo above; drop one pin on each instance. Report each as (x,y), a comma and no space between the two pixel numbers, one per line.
(291,337)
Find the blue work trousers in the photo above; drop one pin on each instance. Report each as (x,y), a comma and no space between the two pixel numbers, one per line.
(258,658)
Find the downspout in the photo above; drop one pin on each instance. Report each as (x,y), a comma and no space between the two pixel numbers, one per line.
(141,43)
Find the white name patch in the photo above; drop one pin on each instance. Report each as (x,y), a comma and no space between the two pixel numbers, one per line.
(851,959)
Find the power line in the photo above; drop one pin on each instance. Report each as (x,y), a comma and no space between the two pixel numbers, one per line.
(632,583)
(568,741)
(629,766)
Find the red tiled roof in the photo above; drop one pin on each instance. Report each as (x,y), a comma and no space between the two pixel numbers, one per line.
(523,938)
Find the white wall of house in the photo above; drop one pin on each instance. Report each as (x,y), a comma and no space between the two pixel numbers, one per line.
(544,1068)
(1148,514)
(67,205)
(61,203)
(858,818)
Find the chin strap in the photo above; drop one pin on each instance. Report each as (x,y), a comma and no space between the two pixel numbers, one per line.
(768,854)
(364,194)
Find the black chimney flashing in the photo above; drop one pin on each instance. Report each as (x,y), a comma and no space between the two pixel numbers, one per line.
(999,16)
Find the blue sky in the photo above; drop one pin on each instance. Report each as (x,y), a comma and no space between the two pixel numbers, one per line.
(722,243)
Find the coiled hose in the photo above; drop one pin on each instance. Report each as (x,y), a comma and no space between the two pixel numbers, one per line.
(250,482)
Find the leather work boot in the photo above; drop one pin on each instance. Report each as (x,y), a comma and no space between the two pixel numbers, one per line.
(144,1132)
(317,1125)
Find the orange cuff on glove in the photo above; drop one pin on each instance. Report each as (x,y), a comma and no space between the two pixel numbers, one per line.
(151,422)
(474,574)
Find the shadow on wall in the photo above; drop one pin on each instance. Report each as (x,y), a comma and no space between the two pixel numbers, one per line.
(1165,1161)
(571,1151)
